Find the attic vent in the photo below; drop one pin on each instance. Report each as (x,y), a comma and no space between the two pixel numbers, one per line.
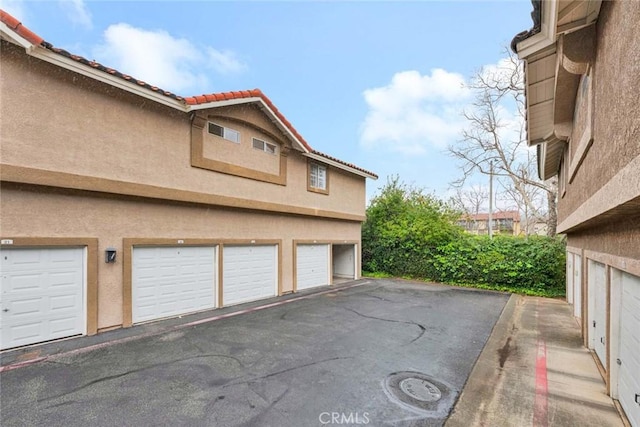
(224,132)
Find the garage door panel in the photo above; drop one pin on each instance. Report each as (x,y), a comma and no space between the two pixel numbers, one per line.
(43,293)
(569,276)
(169,281)
(61,281)
(63,302)
(312,266)
(61,327)
(26,306)
(64,260)
(577,283)
(249,273)
(26,282)
(26,334)
(629,352)
(598,307)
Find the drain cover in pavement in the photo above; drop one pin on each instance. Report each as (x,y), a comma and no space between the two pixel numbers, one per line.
(420,389)
(420,393)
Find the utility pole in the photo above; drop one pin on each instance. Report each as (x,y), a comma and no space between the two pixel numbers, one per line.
(491,199)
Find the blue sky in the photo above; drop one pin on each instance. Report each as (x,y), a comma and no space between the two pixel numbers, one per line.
(378,84)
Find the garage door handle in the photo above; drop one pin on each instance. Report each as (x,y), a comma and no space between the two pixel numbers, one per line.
(638,398)
(5,310)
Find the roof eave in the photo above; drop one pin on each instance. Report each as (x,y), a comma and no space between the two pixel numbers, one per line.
(549,155)
(77,67)
(545,36)
(8,34)
(339,165)
(542,43)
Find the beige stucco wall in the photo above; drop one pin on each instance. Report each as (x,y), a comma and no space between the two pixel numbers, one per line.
(616,105)
(28,211)
(619,238)
(56,120)
(242,153)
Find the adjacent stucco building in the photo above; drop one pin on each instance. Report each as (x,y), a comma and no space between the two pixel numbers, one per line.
(583,114)
(123,203)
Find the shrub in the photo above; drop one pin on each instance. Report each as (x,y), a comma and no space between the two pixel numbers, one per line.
(536,262)
(408,233)
(403,229)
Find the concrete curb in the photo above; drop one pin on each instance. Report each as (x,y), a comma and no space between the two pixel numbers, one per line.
(535,371)
(480,386)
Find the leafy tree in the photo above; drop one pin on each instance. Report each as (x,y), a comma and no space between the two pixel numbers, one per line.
(403,229)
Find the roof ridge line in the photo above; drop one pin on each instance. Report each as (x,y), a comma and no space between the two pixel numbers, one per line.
(24,32)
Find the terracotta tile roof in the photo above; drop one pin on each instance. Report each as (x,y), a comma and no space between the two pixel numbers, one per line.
(254,93)
(20,29)
(32,37)
(112,72)
(351,165)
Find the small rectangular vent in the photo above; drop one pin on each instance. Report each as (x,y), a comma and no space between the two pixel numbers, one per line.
(224,132)
(261,145)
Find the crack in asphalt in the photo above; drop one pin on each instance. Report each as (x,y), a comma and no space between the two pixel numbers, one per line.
(423,329)
(368,294)
(55,362)
(273,374)
(283,316)
(133,371)
(255,420)
(65,403)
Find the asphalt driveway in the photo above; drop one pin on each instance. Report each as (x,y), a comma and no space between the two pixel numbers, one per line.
(383,353)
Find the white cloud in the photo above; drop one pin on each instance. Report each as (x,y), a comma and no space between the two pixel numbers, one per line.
(225,62)
(14,8)
(414,112)
(162,60)
(77,12)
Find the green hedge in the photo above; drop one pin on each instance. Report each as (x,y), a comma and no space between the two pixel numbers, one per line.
(507,261)
(411,234)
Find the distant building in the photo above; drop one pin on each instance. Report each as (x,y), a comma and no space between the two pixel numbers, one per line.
(504,222)
(540,228)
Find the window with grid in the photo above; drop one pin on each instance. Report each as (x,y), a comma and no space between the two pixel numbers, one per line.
(317,176)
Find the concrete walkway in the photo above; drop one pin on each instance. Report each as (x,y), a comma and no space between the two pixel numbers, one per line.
(534,371)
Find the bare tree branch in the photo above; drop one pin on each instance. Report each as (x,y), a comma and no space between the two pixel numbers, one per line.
(491,137)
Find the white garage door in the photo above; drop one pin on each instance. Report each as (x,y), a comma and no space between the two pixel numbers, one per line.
(629,371)
(598,310)
(169,281)
(569,277)
(42,295)
(577,286)
(249,273)
(312,266)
